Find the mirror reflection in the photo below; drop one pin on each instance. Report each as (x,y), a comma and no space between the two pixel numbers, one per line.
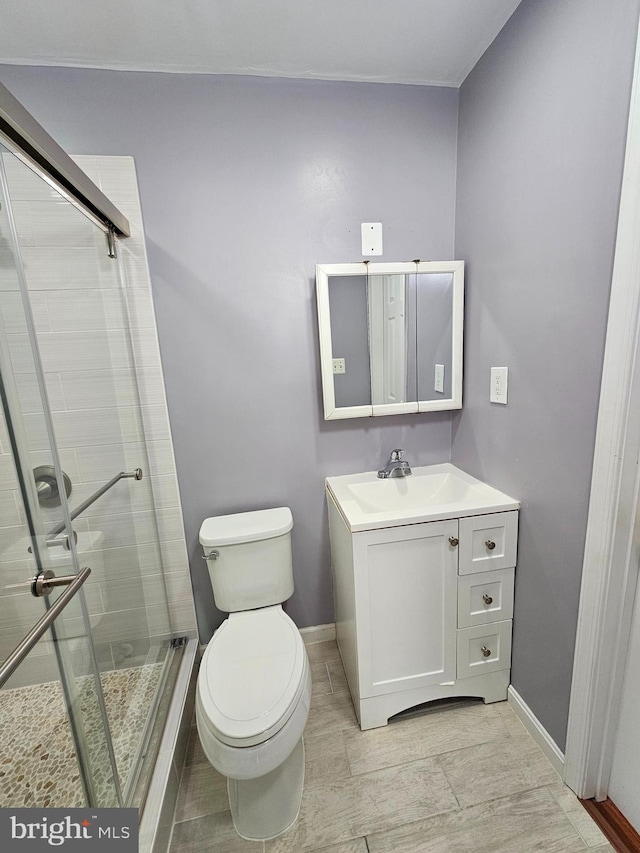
(391,337)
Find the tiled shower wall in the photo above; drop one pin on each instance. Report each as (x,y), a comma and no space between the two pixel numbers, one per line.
(99,349)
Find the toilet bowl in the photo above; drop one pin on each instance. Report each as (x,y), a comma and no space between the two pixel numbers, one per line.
(254,684)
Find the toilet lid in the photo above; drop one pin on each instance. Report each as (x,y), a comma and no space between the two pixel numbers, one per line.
(251,675)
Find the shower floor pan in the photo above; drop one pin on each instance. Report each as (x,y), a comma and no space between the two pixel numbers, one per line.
(42,769)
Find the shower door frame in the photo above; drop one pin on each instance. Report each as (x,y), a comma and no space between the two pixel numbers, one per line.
(9,401)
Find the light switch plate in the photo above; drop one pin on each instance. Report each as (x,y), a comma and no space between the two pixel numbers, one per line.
(371,238)
(438,384)
(499,380)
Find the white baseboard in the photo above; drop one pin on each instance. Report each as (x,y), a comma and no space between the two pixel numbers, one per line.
(537,731)
(318,633)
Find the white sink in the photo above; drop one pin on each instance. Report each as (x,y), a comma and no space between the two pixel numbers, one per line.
(429,494)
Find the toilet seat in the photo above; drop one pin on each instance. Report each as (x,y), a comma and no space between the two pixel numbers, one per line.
(252,676)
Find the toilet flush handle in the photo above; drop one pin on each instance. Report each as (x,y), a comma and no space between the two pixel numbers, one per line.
(212,555)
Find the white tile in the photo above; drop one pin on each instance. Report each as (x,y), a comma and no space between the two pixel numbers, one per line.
(13,312)
(139,528)
(82,310)
(59,268)
(156,423)
(8,478)
(9,513)
(29,392)
(68,462)
(64,351)
(24,184)
(52,223)
(101,462)
(8,275)
(178,585)
(22,609)
(145,348)
(126,496)
(97,426)
(125,593)
(182,616)
(14,543)
(75,429)
(94,389)
(140,308)
(120,563)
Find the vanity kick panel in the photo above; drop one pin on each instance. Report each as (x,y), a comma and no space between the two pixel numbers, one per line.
(488,542)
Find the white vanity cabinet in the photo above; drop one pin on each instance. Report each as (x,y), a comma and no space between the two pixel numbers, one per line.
(423,610)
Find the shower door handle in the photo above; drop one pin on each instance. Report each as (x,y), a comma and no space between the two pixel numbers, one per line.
(46,582)
(42,626)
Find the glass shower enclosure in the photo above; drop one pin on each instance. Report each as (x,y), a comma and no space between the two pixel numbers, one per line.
(82,708)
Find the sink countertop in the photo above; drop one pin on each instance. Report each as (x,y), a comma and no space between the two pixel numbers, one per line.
(430,493)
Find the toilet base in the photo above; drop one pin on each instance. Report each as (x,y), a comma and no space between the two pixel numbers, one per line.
(265,807)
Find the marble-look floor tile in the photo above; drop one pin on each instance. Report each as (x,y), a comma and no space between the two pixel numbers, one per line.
(362,804)
(509,717)
(325,759)
(522,823)
(336,675)
(356,845)
(195,752)
(423,736)
(581,820)
(203,791)
(584,824)
(321,683)
(322,652)
(497,769)
(329,713)
(211,834)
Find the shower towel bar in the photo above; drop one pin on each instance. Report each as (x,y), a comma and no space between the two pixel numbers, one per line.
(136,475)
(22,650)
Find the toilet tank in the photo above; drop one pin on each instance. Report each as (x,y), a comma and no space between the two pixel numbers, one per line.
(253,567)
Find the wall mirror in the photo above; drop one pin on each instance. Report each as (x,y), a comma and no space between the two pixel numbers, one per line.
(390,337)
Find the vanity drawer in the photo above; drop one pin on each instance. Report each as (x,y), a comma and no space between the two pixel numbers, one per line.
(488,542)
(485,597)
(484,648)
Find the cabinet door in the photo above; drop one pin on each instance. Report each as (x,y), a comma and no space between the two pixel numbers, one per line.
(405,583)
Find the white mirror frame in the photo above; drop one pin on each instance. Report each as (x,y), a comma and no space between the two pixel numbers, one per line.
(324,272)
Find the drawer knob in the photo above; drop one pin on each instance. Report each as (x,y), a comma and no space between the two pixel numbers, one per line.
(487,599)
(485,651)
(453,541)
(490,545)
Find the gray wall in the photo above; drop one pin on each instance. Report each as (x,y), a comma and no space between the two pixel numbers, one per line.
(541,143)
(246,184)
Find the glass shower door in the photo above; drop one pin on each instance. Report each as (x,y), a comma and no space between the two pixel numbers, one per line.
(83,312)
(56,748)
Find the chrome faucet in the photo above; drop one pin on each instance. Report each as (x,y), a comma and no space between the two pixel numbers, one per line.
(395,467)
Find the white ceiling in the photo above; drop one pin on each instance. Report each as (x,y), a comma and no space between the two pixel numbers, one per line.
(428,42)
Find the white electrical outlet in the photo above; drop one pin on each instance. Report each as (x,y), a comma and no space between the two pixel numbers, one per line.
(438,384)
(338,365)
(499,381)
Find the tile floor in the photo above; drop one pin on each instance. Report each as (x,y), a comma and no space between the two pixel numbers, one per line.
(454,780)
(42,769)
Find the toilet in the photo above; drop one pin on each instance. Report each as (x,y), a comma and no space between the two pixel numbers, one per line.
(254,683)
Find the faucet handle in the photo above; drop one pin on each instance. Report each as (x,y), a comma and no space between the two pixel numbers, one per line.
(396,455)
